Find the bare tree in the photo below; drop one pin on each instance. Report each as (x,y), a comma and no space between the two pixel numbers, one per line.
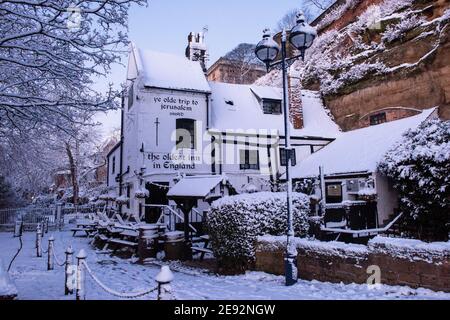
(50,51)
(311,9)
(289,20)
(29,163)
(80,148)
(243,56)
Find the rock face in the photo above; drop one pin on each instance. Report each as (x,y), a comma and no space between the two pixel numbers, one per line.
(418,75)
(423,86)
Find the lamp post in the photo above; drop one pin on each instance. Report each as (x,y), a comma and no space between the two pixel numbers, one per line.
(301,37)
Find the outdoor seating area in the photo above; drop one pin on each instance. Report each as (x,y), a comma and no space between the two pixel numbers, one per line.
(113,233)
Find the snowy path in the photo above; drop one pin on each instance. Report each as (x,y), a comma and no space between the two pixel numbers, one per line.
(35,282)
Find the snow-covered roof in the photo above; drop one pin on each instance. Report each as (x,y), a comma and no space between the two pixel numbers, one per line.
(236,106)
(164,70)
(264,92)
(358,150)
(195,186)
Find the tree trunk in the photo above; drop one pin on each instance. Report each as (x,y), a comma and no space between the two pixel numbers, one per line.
(73,173)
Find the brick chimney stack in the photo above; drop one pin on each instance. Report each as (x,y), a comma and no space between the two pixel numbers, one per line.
(196,49)
(295,99)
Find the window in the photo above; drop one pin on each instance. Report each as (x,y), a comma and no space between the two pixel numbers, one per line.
(249,159)
(333,192)
(377,118)
(271,106)
(352,185)
(185,133)
(283,155)
(130,96)
(113,167)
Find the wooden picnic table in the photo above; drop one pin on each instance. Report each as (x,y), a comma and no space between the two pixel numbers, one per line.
(124,226)
(88,231)
(130,233)
(205,239)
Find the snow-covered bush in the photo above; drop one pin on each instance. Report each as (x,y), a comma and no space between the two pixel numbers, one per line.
(420,168)
(234,223)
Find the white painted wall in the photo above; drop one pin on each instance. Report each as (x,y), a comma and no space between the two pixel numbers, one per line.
(387,198)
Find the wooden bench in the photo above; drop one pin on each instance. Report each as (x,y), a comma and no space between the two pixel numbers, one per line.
(103,237)
(205,249)
(130,233)
(123,243)
(202,251)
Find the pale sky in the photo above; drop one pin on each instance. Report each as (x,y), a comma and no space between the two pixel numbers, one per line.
(165,24)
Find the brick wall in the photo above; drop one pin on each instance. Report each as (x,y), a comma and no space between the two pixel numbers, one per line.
(229,72)
(338,262)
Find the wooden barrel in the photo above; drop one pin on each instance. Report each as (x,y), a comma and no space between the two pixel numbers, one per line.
(147,242)
(175,247)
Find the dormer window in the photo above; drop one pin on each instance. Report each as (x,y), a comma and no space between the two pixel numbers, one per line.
(271,106)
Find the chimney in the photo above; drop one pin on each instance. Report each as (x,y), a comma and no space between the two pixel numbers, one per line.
(196,49)
(295,99)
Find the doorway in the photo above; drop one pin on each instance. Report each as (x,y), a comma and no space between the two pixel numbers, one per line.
(157,195)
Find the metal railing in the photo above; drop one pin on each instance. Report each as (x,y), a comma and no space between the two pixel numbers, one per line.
(27,215)
(34,215)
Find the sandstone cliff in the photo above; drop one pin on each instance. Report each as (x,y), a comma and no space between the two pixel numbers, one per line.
(389,56)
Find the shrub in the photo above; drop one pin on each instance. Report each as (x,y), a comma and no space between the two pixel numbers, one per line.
(420,168)
(234,223)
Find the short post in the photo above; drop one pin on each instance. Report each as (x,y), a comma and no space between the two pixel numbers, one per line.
(18,227)
(38,240)
(80,292)
(164,277)
(69,272)
(50,263)
(46,225)
(59,216)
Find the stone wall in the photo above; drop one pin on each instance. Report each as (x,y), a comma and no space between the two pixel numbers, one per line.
(402,262)
(231,72)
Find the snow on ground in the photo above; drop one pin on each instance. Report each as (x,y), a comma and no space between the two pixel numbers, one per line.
(33,281)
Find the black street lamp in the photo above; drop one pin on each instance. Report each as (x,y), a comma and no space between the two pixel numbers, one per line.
(301,37)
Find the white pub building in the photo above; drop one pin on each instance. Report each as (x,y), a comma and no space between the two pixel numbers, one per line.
(209,138)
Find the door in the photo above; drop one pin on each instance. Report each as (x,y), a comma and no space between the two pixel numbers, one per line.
(157,195)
